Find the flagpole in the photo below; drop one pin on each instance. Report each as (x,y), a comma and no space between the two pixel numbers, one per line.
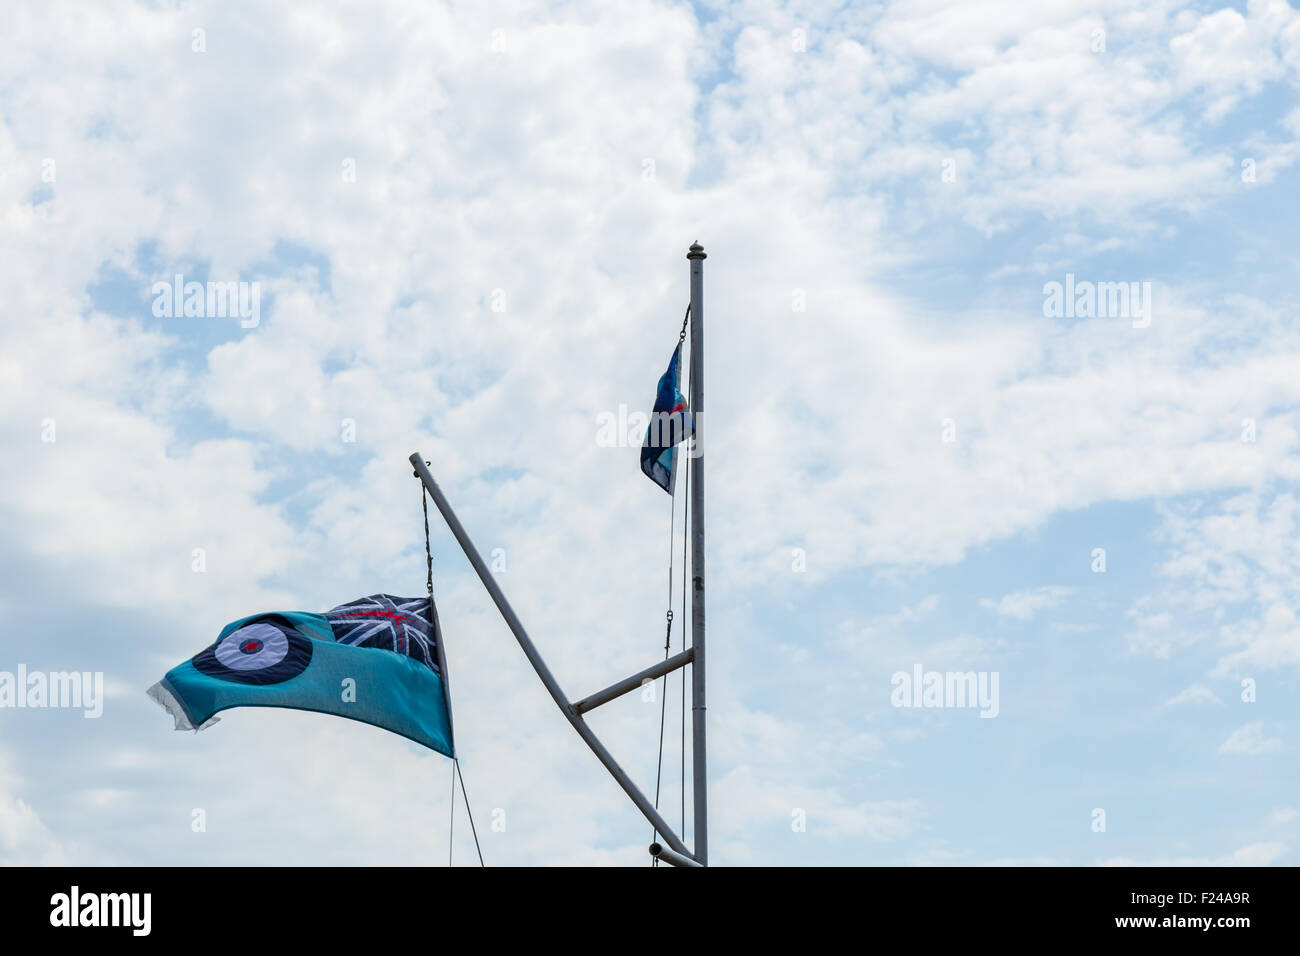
(675,851)
(700,775)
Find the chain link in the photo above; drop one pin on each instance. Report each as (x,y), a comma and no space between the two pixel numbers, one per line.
(428,551)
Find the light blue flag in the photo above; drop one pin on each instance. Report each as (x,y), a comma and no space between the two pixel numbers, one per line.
(376,660)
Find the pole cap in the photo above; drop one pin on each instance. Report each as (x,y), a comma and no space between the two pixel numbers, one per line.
(697,251)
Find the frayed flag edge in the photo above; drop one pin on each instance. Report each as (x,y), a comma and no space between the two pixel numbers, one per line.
(165,699)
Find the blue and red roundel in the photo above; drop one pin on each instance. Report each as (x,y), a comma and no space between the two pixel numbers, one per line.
(267,650)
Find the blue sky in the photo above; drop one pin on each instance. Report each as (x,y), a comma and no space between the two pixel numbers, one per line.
(468,222)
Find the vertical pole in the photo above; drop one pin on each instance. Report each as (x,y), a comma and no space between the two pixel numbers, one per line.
(699,753)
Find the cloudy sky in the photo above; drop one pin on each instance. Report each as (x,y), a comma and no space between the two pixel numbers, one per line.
(467,224)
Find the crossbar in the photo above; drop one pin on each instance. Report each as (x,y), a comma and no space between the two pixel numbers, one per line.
(654,671)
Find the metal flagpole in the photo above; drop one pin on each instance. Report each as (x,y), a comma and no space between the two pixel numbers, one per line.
(699,754)
(675,851)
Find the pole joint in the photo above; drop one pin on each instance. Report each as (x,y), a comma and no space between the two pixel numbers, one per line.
(668,855)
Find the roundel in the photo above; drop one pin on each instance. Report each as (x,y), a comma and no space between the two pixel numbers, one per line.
(265,651)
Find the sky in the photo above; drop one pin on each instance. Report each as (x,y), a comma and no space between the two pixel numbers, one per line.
(931,448)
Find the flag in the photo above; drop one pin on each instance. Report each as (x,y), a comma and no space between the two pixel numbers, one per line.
(671,422)
(375,660)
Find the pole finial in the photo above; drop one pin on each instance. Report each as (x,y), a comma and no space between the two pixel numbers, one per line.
(697,251)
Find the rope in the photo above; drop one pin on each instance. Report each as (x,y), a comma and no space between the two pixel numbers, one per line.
(455,772)
(686,508)
(469,813)
(451,826)
(686,515)
(455,761)
(663,693)
(663,697)
(668,639)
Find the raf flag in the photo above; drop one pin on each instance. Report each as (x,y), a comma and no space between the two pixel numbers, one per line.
(377,660)
(670,423)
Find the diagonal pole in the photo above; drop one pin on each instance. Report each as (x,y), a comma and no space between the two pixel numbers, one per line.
(539,665)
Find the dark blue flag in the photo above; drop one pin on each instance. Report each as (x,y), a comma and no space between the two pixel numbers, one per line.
(671,423)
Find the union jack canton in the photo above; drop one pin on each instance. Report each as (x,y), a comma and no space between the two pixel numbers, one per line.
(392,623)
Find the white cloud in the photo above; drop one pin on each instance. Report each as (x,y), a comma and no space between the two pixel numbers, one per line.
(1250,740)
(1193,694)
(1227,56)
(748,802)
(1023,605)
(1234,565)
(24,839)
(1254,854)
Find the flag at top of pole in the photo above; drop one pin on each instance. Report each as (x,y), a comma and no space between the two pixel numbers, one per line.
(671,423)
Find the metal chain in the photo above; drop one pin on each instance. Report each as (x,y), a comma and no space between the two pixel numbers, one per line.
(428,551)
